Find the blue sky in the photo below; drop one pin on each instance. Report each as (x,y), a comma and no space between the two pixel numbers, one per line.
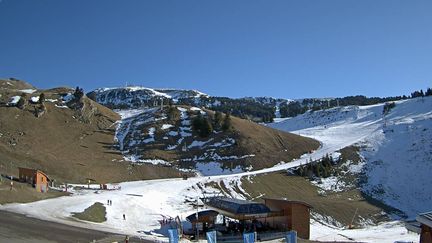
(289,49)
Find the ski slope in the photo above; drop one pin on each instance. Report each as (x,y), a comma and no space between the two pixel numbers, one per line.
(396,147)
(144,202)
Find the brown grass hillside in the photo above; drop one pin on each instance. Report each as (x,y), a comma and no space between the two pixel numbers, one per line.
(77,145)
(269,145)
(65,146)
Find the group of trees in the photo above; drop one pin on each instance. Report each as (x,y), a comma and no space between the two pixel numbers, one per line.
(204,124)
(322,168)
(246,108)
(173,113)
(79,93)
(388,106)
(263,109)
(420,93)
(295,108)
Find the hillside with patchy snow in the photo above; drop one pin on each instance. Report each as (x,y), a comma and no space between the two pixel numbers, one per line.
(396,148)
(167,137)
(133,97)
(138,97)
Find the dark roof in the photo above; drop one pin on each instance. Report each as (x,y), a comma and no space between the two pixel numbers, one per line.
(288,201)
(237,206)
(35,171)
(201,214)
(425,218)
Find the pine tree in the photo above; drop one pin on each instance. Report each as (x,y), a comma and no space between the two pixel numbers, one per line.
(173,113)
(217,120)
(197,122)
(79,93)
(22,101)
(206,128)
(317,170)
(226,126)
(41,98)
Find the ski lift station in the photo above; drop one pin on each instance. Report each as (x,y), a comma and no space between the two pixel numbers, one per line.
(273,216)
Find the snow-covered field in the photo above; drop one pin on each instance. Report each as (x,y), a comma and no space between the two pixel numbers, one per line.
(144,202)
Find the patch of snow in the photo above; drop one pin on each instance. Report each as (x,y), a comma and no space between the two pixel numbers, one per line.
(14,100)
(136,159)
(34,99)
(28,91)
(61,106)
(224,143)
(215,168)
(331,183)
(125,114)
(185,123)
(195,109)
(166,126)
(389,232)
(200,144)
(185,134)
(173,133)
(68,97)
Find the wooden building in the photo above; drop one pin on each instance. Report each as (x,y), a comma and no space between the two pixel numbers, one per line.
(277,214)
(237,209)
(289,215)
(205,220)
(36,178)
(425,220)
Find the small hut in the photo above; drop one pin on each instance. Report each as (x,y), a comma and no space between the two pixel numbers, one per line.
(36,178)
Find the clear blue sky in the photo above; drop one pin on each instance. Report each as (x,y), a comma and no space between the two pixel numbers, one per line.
(290,49)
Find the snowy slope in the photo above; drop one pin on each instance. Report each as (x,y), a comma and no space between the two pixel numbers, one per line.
(398,147)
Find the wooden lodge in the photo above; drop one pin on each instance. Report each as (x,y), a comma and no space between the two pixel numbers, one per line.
(425,219)
(38,179)
(274,215)
(289,215)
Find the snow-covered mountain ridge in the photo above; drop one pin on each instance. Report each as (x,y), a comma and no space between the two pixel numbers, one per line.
(138,96)
(397,155)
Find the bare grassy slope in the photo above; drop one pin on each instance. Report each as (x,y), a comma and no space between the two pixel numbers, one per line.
(67,146)
(269,145)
